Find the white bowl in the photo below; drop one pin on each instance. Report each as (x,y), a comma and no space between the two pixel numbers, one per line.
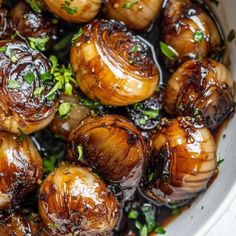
(210,205)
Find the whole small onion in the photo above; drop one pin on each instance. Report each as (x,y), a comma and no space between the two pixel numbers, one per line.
(37,27)
(113,66)
(114,147)
(78,11)
(189,33)
(20,168)
(182,161)
(20,223)
(203,89)
(23,102)
(73,200)
(129,11)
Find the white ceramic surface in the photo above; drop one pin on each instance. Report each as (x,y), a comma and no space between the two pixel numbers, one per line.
(209,206)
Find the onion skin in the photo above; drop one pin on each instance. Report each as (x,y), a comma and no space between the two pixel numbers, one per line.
(73,200)
(62,126)
(115,148)
(106,68)
(20,109)
(201,88)
(20,168)
(182,160)
(34,25)
(144,10)
(20,224)
(79,11)
(182,19)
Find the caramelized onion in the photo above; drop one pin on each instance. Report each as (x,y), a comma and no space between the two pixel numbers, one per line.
(78,11)
(20,223)
(6,29)
(73,200)
(63,126)
(190,31)
(20,168)
(137,15)
(20,108)
(182,161)
(112,65)
(114,147)
(33,25)
(201,88)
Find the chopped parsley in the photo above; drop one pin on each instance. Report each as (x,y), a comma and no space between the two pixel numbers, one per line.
(68,8)
(135,48)
(151,114)
(22,137)
(64,109)
(198,36)
(3,48)
(219,162)
(133,215)
(11,55)
(38,43)
(77,35)
(129,5)
(35,5)
(80,152)
(168,51)
(13,84)
(38,91)
(160,230)
(29,77)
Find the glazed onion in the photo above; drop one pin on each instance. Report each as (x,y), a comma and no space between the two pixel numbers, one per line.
(201,88)
(73,200)
(130,11)
(23,102)
(112,65)
(182,161)
(63,125)
(20,223)
(20,168)
(35,26)
(189,32)
(114,147)
(78,11)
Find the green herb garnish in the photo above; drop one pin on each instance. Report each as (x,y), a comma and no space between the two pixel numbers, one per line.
(13,84)
(160,230)
(77,35)
(150,218)
(135,48)
(64,109)
(151,114)
(38,43)
(68,8)
(198,36)
(22,135)
(35,5)
(133,215)
(168,51)
(219,162)
(29,77)
(80,152)
(3,48)
(38,91)
(129,5)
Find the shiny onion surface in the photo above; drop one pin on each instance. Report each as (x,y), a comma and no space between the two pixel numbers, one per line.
(63,125)
(189,31)
(21,108)
(114,147)
(136,15)
(201,88)
(73,200)
(20,168)
(78,11)
(33,25)
(6,29)
(182,161)
(20,223)
(112,65)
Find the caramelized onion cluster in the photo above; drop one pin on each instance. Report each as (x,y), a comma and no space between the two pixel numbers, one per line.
(137,15)
(20,168)
(189,31)
(182,161)
(22,107)
(78,11)
(20,223)
(201,88)
(112,65)
(74,201)
(114,147)
(33,25)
